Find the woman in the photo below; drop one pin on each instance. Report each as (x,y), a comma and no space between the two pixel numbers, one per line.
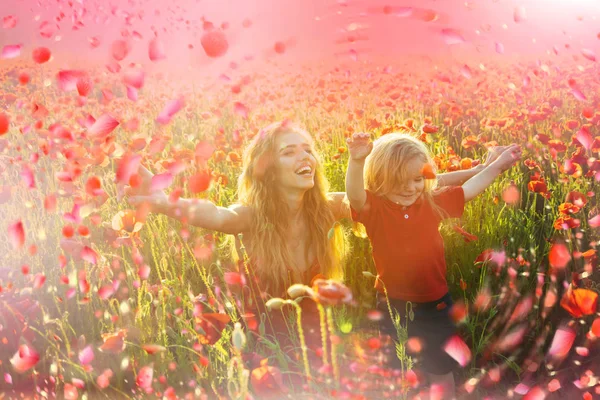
(283,212)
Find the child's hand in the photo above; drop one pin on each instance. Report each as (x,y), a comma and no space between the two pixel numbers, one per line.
(509,157)
(493,154)
(359,146)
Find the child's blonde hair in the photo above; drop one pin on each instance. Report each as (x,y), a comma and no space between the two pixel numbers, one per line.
(385,167)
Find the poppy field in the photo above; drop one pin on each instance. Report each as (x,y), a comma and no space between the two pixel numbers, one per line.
(100,299)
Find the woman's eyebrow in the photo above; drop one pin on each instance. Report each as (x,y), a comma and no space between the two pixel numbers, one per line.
(294,145)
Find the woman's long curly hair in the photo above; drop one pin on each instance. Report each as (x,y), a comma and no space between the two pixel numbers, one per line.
(258,189)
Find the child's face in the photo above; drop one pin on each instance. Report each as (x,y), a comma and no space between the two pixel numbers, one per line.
(412,186)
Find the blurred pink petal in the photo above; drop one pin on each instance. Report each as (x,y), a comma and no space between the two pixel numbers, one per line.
(9,22)
(70,392)
(233,278)
(38,281)
(452,36)
(120,49)
(520,14)
(554,385)
(171,108)
(458,350)
(535,393)
(24,359)
(103,126)
(128,166)
(134,77)
(240,109)
(144,271)
(594,221)
(47,29)
(466,71)
(106,291)
(156,50)
(584,137)
(582,351)
(499,48)
(589,54)
(132,93)
(103,379)
(27,176)
(511,340)
(353,55)
(94,42)
(84,85)
(144,377)
(161,181)
(86,355)
(89,255)
(11,51)
(561,343)
(16,235)
(67,79)
(578,95)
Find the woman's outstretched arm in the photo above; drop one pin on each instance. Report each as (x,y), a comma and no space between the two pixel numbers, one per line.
(197,212)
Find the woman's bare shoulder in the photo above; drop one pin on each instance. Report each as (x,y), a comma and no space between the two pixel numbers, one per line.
(339,205)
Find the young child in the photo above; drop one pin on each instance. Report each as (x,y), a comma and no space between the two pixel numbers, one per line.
(402,213)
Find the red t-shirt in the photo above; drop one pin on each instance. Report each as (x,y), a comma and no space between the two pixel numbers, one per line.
(407,246)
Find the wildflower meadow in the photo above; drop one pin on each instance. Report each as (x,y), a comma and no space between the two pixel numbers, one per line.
(103,300)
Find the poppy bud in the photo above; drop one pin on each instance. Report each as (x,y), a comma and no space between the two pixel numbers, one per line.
(275,303)
(297,290)
(239,337)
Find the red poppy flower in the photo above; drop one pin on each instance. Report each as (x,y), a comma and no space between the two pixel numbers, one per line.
(427,171)
(537,186)
(579,302)
(568,208)
(267,381)
(114,342)
(557,145)
(213,324)
(469,141)
(330,292)
(428,128)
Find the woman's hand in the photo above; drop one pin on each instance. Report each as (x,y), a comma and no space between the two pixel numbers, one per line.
(359,146)
(143,192)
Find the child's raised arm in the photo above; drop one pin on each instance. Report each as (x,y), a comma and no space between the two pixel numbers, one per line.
(201,213)
(482,180)
(359,147)
(456,178)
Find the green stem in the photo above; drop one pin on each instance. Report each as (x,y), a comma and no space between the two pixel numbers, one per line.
(334,363)
(302,339)
(323,332)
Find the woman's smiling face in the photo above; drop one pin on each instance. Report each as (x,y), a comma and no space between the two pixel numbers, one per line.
(295,162)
